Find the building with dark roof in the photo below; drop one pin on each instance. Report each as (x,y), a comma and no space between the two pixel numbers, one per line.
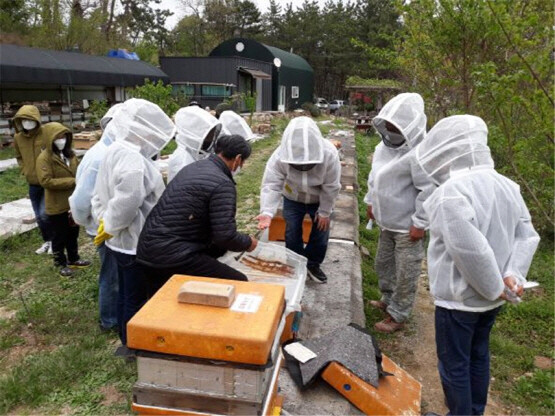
(33,74)
(281,80)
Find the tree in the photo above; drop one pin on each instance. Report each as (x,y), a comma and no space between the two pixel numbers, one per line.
(492,59)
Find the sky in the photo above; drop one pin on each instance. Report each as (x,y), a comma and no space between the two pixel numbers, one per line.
(177,8)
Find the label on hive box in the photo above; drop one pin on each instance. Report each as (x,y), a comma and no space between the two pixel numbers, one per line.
(246,303)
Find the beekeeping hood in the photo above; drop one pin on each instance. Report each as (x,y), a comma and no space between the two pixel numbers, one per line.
(302,143)
(235,124)
(194,126)
(143,126)
(406,112)
(454,143)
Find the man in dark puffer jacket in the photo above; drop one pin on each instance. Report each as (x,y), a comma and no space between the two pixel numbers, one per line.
(193,222)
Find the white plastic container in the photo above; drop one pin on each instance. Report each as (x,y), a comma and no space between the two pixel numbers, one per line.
(272,252)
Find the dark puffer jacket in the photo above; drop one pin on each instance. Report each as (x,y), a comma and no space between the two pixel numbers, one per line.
(195,213)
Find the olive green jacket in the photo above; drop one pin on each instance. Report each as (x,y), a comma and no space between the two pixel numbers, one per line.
(28,144)
(55,176)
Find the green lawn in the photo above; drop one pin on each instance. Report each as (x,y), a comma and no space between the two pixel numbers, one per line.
(7,153)
(12,185)
(53,357)
(520,333)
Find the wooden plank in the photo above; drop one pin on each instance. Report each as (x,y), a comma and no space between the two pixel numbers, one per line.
(176,399)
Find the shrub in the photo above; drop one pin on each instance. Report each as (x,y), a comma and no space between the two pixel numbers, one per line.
(312,109)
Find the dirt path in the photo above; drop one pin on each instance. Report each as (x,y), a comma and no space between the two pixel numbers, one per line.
(414,349)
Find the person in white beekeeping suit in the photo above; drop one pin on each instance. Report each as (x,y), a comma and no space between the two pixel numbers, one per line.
(481,246)
(81,211)
(128,185)
(304,172)
(233,123)
(197,130)
(396,190)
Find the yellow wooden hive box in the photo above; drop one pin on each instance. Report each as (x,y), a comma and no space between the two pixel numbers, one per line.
(243,333)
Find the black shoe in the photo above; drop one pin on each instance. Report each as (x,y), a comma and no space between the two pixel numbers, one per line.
(79,264)
(124,352)
(317,274)
(106,329)
(66,272)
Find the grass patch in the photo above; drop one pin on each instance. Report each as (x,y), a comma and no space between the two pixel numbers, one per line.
(368,238)
(12,185)
(7,153)
(521,332)
(250,177)
(169,149)
(53,357)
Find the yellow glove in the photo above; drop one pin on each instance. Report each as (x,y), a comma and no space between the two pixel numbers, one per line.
(101,235)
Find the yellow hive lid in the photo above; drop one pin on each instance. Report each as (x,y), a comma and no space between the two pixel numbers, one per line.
(243,333)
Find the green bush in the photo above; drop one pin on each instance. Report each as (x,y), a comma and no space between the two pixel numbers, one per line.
(220,108)
(312,109)
(159,94)
(97,109)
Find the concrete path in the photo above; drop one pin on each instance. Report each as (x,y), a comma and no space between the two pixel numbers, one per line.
(16,217)
(8,164)
(337,303)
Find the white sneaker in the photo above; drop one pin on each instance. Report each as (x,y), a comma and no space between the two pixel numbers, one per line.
(50,251)
(44,248)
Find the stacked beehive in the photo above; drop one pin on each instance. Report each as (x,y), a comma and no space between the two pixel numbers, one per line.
(204,359)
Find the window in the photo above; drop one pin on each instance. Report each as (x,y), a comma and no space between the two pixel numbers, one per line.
(188,90)
(216,91)
(294,92)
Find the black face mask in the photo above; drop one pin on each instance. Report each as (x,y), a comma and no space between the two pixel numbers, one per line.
(392,140)
(303,168)
(209,142)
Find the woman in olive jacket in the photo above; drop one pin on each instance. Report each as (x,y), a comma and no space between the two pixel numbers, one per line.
(56,167)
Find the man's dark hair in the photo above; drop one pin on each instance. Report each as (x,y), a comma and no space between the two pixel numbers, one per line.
(232,145)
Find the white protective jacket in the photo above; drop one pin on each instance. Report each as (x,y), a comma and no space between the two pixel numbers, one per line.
(480,228)
(233,123)
(302,143)
(194,125)
(128,183)
(397,187)
(80,202)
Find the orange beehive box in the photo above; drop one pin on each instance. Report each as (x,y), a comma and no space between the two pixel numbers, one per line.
(399,394)
(243,333)
(277,229)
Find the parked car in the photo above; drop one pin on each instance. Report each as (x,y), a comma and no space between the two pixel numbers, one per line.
(336,105)
(322,103)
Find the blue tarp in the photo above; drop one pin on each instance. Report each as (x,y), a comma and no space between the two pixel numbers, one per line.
(124,54)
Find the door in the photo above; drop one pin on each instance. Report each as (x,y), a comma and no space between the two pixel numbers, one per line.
(281,101)
(258,95)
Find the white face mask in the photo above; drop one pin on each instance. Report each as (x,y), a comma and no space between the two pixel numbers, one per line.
(28,124)
(60,143)
(236,171)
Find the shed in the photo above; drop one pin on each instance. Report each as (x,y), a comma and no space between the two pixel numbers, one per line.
(34,74)
(292,76)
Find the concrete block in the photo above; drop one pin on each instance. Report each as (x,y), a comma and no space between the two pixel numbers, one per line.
(205,293)
(16,217)
(7,164)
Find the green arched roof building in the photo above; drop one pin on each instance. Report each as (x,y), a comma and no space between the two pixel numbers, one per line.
(292,81)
